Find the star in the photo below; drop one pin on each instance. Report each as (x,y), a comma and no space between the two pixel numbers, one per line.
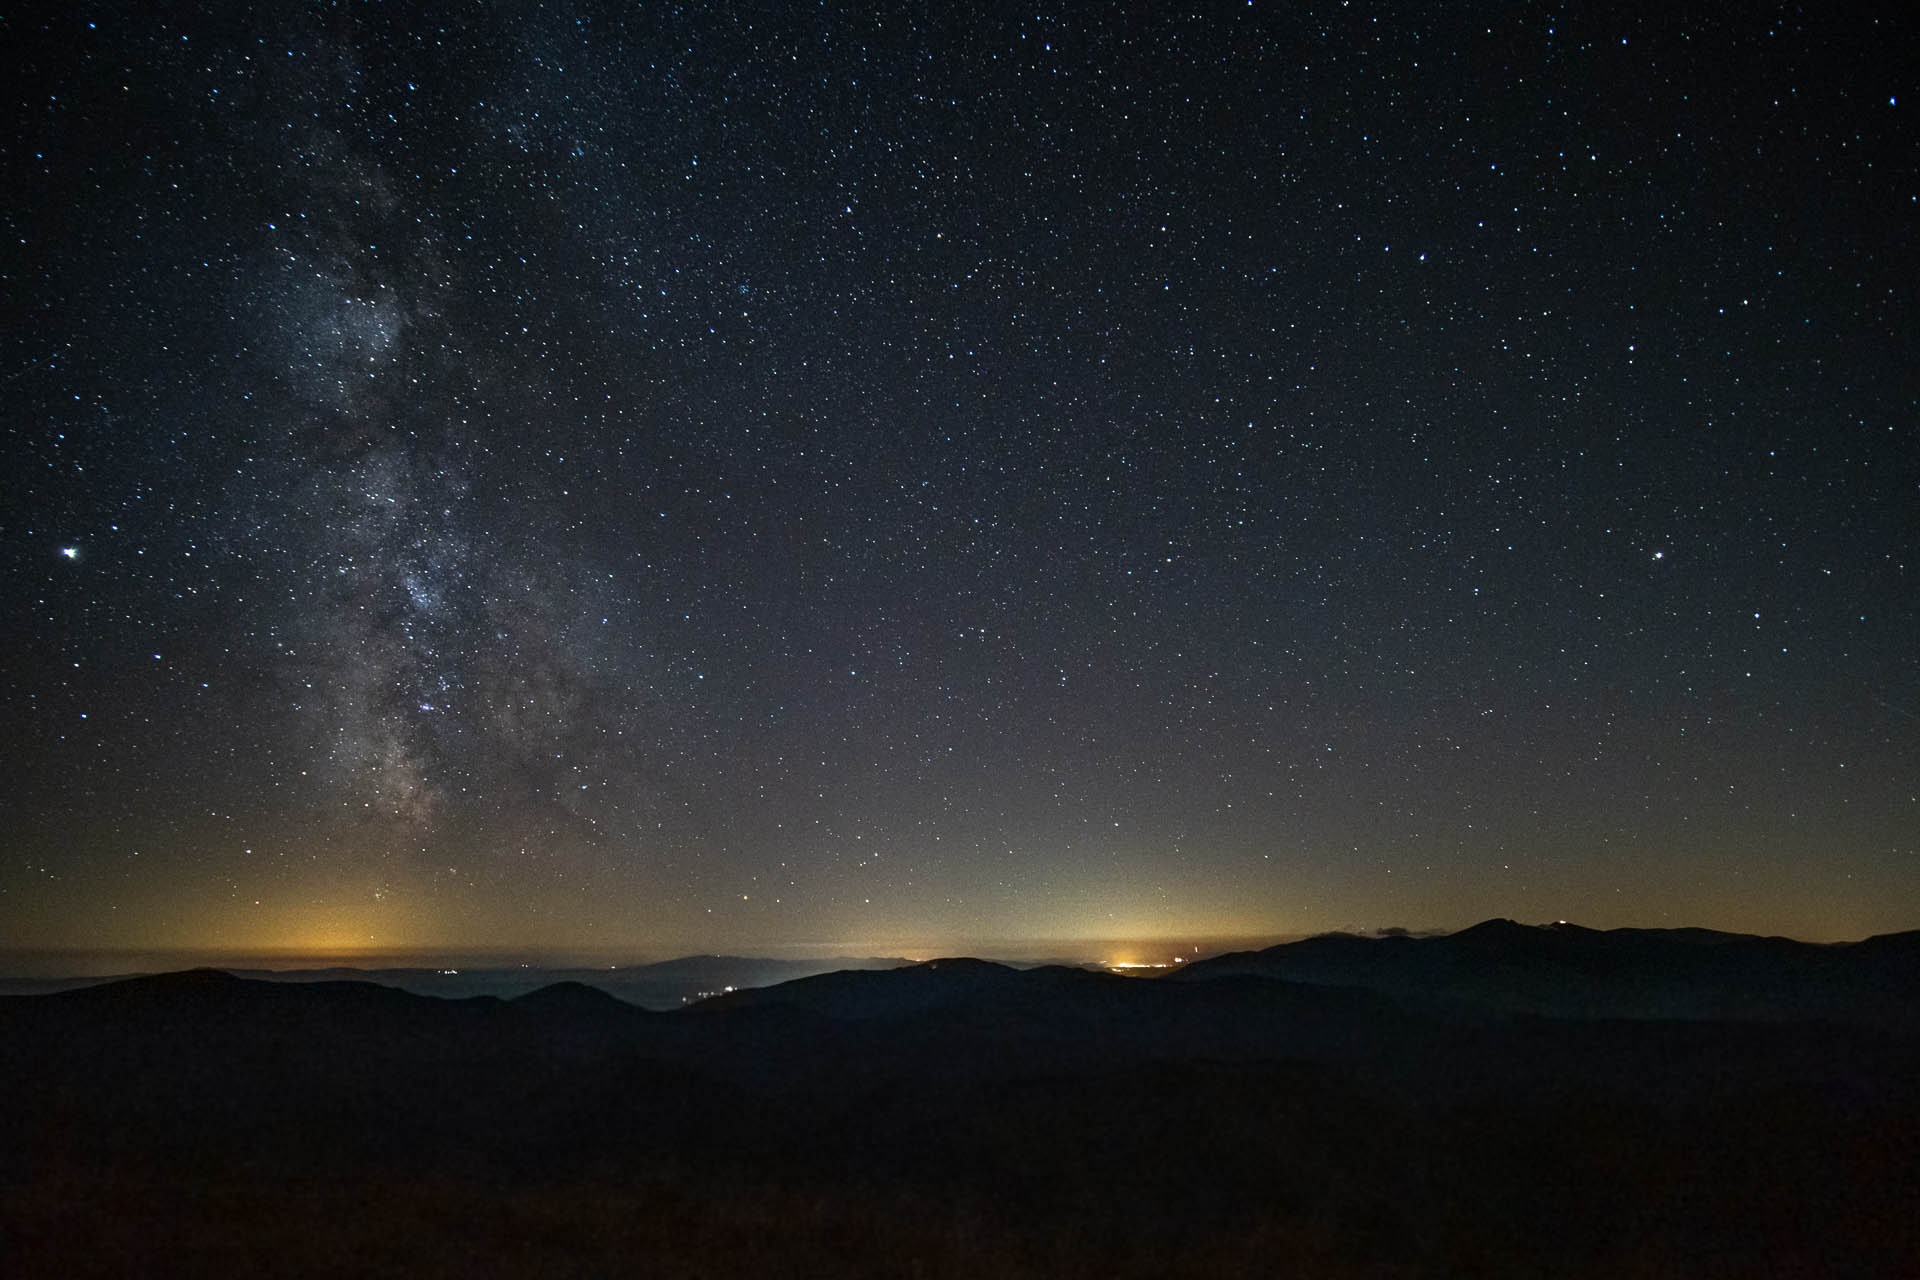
(1116,490)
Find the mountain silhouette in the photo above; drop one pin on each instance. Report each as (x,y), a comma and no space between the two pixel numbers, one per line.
(571,999)
(1563,970)
(878,993)
(1475,1104)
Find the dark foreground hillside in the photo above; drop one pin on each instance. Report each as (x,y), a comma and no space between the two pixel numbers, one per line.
(953,1119)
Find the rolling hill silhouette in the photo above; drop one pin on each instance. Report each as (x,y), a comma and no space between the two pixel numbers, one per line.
(1565,970)
(1506,1100)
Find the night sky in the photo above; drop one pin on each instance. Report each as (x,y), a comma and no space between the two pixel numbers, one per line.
(616,481)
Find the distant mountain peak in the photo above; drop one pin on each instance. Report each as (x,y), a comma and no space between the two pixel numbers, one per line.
(182,980)
(961,964)
(1497,928)
(570,996)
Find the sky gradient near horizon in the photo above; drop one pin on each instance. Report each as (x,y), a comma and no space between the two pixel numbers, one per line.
(596,479)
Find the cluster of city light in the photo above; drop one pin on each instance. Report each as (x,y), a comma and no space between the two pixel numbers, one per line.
(1122,966)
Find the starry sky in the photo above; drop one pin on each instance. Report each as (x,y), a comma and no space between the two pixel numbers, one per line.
(623,480)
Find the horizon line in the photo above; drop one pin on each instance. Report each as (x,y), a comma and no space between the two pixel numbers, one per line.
(49,962)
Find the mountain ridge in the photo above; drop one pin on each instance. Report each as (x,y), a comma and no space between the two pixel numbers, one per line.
(1362,1129)
(1567,970)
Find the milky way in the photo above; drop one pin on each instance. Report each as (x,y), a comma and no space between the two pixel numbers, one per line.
(618,482)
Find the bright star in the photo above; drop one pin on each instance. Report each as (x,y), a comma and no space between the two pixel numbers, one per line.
(71,553)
